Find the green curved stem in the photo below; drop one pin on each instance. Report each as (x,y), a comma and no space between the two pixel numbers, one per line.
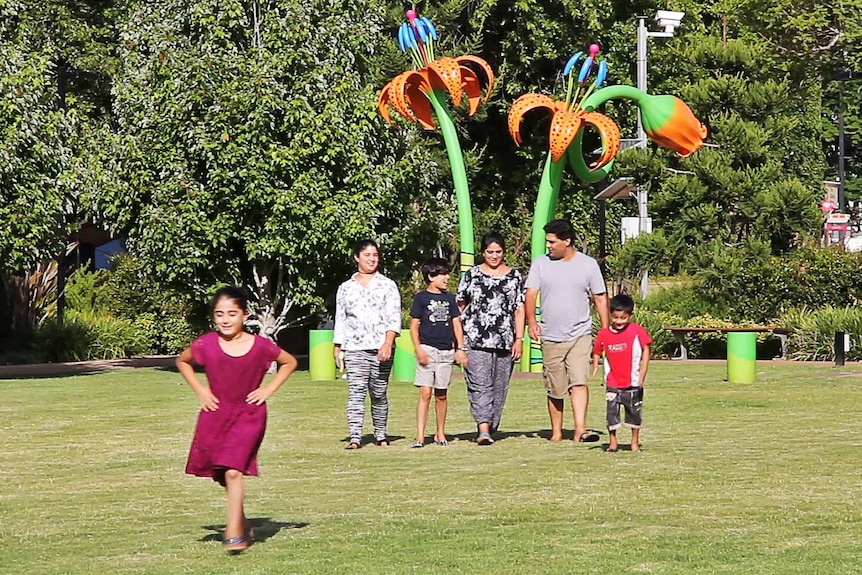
(546,203)
(459,177)
(610,92)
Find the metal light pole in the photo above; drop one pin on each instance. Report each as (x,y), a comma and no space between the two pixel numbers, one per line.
(841,77)
(669,20)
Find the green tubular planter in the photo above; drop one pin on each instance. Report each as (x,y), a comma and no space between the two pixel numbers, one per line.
(404,362)
(321,360)
(741,356)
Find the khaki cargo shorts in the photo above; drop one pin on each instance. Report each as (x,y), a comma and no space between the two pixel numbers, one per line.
(565,365)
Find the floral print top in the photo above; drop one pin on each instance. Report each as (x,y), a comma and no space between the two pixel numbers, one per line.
(490,303)
(363,315)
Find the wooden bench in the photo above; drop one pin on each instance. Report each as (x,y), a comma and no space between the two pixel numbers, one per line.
(680,334)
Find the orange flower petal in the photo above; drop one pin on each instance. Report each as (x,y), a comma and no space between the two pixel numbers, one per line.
(564,126)
(610,134)
(420,104)
(521,106)
(448,72)
(398,92)
(489,73)
(470,85)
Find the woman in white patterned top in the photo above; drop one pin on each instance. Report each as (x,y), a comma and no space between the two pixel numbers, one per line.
(367,321)
(491,297)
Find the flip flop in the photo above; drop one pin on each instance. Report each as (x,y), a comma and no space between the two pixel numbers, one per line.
(609,450)
(353,445)
(588,437)
(417,445)
(442,443)
(484,438)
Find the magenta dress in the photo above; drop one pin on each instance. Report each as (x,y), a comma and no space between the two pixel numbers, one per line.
(229,437)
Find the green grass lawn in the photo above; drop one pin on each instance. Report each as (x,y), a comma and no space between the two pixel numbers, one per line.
(736,479)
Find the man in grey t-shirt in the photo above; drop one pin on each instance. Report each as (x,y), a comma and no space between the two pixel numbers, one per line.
(567,280)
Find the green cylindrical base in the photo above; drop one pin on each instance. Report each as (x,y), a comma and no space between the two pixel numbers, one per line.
(404,364)
(524,363)
(536,365)
(741,356)
(321,361)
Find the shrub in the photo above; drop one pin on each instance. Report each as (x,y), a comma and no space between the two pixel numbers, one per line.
(88,336)
(813,334)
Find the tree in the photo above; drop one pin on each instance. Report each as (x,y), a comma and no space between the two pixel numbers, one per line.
(248,146)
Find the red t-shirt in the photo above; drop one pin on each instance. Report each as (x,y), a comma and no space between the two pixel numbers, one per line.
(623,351)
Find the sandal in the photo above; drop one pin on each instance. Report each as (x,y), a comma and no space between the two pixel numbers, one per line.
(484,438)
(442,443)
(588,437)
(382,443)
(236,545)
(353,445)
(417,445)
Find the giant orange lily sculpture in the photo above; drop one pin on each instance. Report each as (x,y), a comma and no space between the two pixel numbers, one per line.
(420,95)
(667,120)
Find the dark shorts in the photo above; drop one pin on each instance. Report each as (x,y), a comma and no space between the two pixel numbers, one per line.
(631,400)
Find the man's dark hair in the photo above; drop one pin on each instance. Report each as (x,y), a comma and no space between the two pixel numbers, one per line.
(434,267)
(623,302)
(561,228)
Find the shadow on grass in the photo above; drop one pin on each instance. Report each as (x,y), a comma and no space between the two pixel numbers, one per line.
(620,447)
(369,439)
(568,434)
(264,528)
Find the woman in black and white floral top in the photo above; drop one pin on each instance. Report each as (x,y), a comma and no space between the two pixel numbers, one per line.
(491,296)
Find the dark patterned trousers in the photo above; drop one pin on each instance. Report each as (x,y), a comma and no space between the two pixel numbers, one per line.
(487,374)
(366,375)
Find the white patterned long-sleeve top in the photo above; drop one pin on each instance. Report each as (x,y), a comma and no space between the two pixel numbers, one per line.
(363,315)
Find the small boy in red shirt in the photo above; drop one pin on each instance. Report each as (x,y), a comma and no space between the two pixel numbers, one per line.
(625,346)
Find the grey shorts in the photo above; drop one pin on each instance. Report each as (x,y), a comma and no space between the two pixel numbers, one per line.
(438,372)
(631,400)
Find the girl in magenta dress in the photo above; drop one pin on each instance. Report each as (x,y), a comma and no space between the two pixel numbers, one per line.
(232,420)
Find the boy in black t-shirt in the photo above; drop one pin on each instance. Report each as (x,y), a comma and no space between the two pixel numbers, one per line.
(435,328)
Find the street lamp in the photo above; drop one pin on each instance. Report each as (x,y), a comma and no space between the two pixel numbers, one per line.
(669,20)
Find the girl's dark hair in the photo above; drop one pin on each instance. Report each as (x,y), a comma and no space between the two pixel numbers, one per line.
(237,294)
(362,244)
(435,267)
(623,303)
(493,238)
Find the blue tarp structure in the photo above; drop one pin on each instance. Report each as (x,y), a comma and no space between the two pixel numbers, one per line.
(105,252)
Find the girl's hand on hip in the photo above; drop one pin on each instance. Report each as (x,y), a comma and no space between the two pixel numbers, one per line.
(209,402)
(259,395)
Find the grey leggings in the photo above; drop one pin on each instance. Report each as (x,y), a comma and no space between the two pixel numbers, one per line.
(366,375)
(487,374)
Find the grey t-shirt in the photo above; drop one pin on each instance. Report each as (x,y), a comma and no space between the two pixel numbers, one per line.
(565,288)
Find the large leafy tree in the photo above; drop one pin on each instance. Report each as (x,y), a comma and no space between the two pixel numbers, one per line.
(249,149)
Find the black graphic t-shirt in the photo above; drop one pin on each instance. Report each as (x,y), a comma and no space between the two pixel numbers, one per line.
(435,312)
(490,304)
